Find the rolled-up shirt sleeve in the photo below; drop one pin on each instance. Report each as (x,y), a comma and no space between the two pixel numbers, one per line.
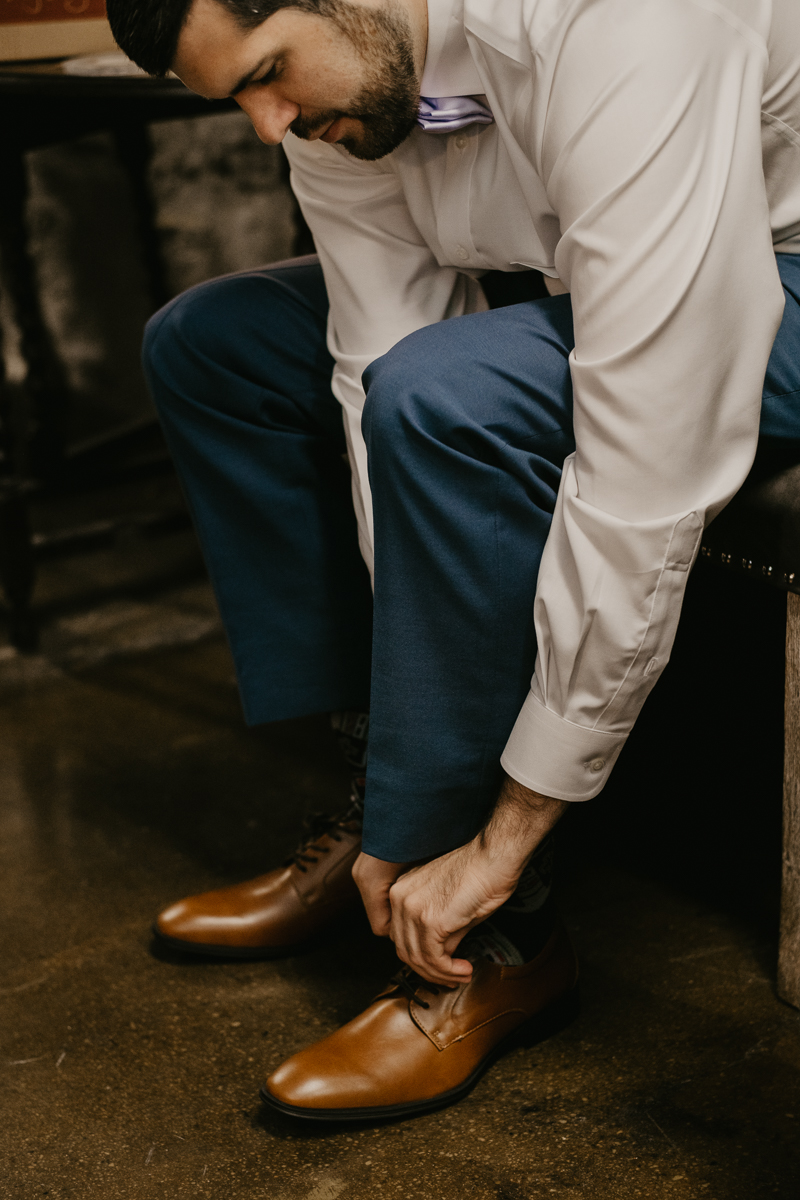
(651,155)
(383,280)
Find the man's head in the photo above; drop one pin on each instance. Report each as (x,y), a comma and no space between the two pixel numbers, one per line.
(342,70)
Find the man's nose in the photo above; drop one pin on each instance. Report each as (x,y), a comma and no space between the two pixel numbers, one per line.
(271,115)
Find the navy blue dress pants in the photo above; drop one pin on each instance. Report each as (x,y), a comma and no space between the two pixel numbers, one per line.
(467,425)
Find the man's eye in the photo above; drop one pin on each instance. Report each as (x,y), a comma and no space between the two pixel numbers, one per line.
(270,76)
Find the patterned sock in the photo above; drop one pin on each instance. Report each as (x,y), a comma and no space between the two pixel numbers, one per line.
(352,731)
(518,930)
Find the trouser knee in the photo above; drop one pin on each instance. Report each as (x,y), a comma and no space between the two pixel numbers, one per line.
(247,347)
(486,386)
(404,397)
(186,333)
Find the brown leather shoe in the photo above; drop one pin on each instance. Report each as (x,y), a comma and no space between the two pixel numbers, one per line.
(276,913)
(419,1046)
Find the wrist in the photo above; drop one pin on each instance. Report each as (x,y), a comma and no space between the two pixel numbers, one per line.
(520,821)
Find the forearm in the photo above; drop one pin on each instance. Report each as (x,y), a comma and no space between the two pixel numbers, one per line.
(520,821)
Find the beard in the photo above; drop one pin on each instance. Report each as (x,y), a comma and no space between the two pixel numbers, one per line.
(388,102)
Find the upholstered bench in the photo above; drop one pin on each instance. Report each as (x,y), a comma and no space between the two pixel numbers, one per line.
(759,534)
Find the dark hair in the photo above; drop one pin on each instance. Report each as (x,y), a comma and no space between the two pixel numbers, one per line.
(148,30)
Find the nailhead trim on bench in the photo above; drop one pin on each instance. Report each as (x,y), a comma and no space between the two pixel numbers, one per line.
(788,579)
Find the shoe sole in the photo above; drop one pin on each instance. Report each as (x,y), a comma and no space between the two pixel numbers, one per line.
(238,952)
(549,1021)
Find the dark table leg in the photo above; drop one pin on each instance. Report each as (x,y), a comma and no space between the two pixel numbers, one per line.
(16,559)
(33,419)
(39,452)
(135,150)
(17,568)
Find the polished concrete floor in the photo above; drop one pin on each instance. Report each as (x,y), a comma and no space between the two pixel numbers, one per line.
(127,779)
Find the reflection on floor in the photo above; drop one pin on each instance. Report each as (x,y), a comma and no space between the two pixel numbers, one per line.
(127,780)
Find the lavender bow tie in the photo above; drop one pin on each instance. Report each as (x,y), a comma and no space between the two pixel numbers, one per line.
(445,114)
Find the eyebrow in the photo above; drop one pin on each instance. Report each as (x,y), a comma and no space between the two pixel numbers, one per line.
(248,78)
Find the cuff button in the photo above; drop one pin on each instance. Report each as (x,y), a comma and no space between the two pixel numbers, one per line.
(597,764)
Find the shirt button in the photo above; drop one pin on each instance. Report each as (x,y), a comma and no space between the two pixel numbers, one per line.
(597,764)
(461,252)
(461,141)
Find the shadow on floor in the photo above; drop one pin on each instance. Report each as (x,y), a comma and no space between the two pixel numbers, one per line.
(129,1075)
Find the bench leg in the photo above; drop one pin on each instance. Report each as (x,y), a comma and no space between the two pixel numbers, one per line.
(789,951)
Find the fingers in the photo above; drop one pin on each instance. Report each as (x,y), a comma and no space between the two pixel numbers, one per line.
(433,962)
(379,912)
(428,909)
(435,905)
(374,878)
(424,944)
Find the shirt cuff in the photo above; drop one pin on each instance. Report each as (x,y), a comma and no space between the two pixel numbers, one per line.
(557,758)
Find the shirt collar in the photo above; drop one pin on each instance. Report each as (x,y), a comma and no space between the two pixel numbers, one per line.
(449,68)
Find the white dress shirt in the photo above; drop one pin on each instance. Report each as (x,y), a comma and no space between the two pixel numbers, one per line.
(647,154)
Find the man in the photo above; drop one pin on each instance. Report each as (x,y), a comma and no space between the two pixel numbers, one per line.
(645,153)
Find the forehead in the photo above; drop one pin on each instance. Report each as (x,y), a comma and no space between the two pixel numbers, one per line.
(214,52)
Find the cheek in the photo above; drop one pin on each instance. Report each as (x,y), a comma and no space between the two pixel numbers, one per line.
(324,83)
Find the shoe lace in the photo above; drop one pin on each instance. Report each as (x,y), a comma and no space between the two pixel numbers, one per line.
(316,826)
(408,981)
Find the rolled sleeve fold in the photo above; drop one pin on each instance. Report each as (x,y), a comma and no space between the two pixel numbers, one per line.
(556,758)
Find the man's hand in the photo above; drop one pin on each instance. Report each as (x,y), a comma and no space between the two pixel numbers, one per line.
(428,909)
(374,878)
